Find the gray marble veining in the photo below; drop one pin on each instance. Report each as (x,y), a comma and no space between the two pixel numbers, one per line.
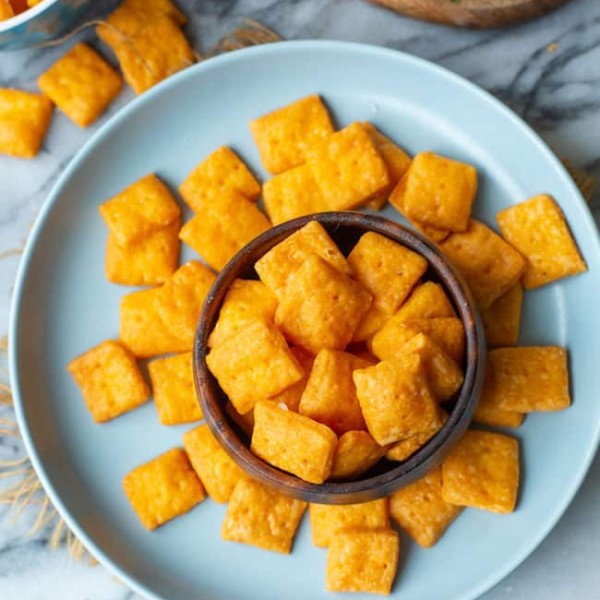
(548,71)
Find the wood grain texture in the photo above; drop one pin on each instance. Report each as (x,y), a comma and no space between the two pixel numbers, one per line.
(481,14)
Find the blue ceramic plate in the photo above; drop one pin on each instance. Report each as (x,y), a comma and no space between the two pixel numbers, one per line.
(64,305)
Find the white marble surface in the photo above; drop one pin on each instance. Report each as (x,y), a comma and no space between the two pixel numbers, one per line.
(557,92)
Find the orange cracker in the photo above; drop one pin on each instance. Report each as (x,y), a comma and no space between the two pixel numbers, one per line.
(397,200)
(538,230)
(426,302)
(438,192)
(224,228)
(131,15)
(278,264)
(141,208)
(292,395)
(363,561)
(502,320)
(396,400)
(220,173)
(246,301)
(141,328)
(482,471)
(489,265)
(348,168)
(261,517)
(24,120)
(371,323)
(405,448)
(528,379)
(110,380)
(173,389)
(292,442)
(443,374)
(420,509)
(488,411)
(149,47)
(6,10)
(321,307)
(163,488)
(330,395)
(396,160)
(217,471)
(181,299)
(447,332)
(388,270)
(255,363)
(328,519)
(292,194)
(151,8)
(355,453)
(284,135)
(82,84)
(150,261)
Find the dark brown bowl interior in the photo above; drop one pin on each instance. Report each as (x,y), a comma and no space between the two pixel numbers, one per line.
(345,228)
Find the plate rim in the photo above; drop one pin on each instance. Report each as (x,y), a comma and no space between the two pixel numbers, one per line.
(483,585)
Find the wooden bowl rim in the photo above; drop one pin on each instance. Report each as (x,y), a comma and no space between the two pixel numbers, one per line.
(382,484)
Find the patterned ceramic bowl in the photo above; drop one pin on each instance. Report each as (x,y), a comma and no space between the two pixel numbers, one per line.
(48,20)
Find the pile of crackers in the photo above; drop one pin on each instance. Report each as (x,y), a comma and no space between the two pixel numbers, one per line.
(334,408)
(147,40)
(324,355)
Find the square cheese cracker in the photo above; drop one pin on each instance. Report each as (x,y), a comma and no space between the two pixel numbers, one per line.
(537,228)
(223,228)
(482,471)
(254,364)
(348,168)
(396,400)
(279,263)
(24,121)
(321,307)
(220,173)
(355,453)
(293,442)
(217,471)
(261,517)
(530,378)
(173,389)
(438,192)
(420,509)
(163,488)
(142,208)
(489,265)
(362,560)
(284,135)
(150,261)
(82,84)
(327,519)
(292,194)
(330,395)
(110,380)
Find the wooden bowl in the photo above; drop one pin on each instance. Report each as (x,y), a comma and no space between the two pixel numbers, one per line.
(345,228)
(480,14)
